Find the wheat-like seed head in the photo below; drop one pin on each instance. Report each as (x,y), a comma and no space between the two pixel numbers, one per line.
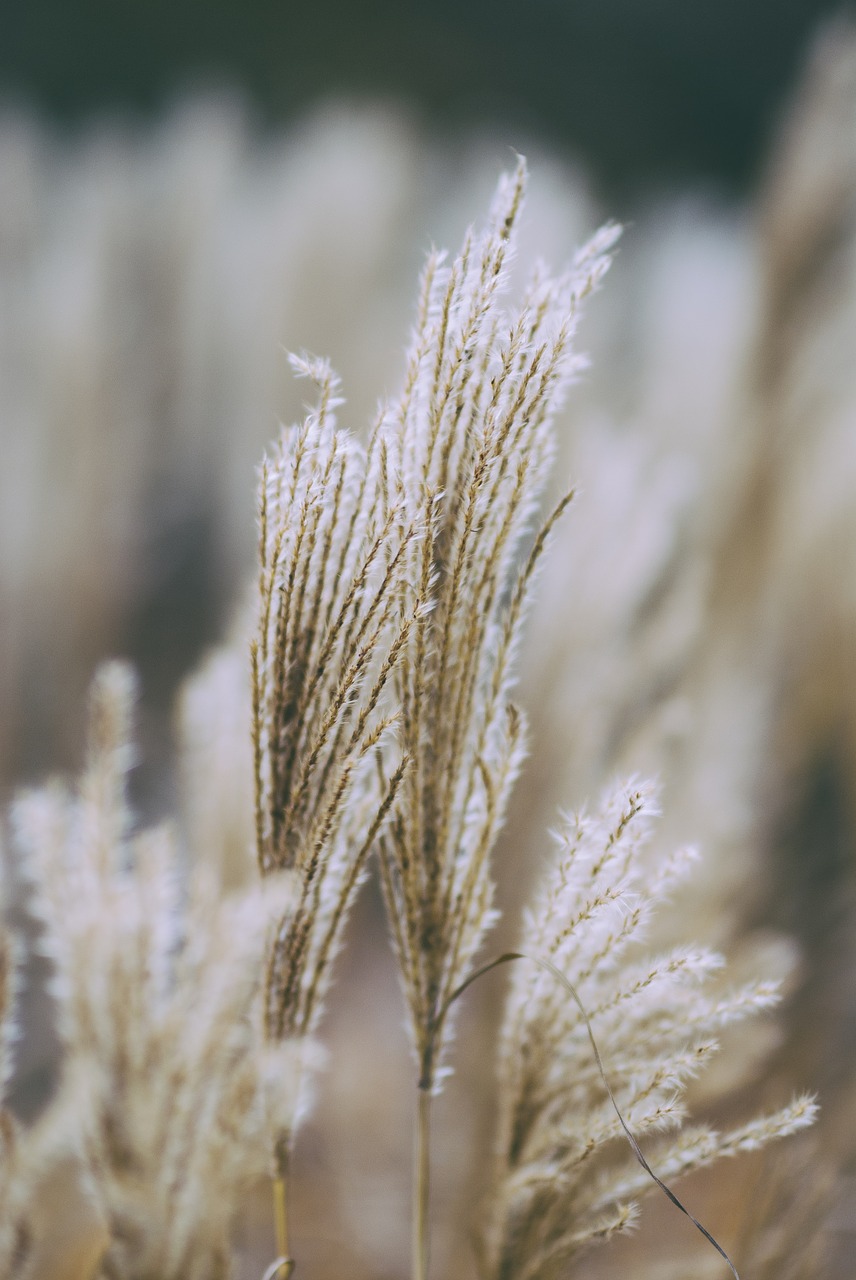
(168,1078)
(334,615)
(564,1175)
(474,425)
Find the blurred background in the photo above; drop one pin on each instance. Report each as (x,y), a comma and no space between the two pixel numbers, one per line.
(187,188)
(643,93)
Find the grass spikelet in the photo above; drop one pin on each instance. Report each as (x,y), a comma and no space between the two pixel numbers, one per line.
(160,1011)
(335,610)
(474,426)
(558,1167)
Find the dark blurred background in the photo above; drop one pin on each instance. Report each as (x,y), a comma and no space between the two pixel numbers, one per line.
(644,91)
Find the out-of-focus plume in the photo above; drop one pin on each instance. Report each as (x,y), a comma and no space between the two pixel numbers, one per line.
(169,1086)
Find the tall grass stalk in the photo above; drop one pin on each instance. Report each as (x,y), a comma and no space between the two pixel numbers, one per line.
(422,1186)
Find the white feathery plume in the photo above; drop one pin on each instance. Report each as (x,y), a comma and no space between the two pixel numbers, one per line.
(564,1174)
(334,542)
(474,422)
(167,1075)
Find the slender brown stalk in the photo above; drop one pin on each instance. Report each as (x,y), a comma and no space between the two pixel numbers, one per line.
(280,1212)
(422,1184)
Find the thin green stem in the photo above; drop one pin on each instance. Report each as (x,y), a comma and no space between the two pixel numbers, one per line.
(421,1184)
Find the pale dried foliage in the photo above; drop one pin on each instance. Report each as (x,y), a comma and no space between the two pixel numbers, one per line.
(333,576)
(565,1176)
(30,1155)
(169,1088)
(428,548)
(394,578)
